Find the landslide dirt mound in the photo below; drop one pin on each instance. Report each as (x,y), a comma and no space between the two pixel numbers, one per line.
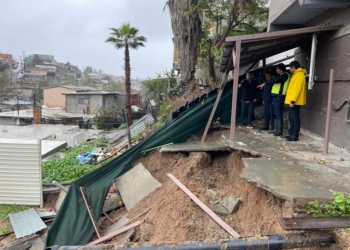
(174,217)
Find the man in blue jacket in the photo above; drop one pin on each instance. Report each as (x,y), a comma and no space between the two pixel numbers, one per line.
(268,104)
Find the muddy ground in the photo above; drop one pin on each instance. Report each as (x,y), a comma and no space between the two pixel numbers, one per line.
(174,217)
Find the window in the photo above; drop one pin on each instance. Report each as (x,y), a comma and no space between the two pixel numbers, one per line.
(85,101)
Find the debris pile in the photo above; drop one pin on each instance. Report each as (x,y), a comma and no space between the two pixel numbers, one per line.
(169,215)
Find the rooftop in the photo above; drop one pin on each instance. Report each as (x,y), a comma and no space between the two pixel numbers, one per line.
(259,46)
(71,87)
(45,67)
(91,93)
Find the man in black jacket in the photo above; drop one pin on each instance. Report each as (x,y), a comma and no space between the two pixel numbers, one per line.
(269,116)
(279,90)
(249,97)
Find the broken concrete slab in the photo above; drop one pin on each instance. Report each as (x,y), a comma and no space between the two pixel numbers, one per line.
(231,204)
(23,243)
(136,184)
(291,170)
(213,195)
(126,237)
(38,244)
(195,147)
(219,209)
(288,180)
(121,222)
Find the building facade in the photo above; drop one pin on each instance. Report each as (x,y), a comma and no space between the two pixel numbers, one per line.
(90,102)
(331,53)
(53,94)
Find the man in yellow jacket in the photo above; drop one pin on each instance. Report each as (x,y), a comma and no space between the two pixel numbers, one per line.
(296,97)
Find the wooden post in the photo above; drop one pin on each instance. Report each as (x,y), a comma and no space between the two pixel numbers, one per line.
(235,90)
(329,110)
(60,186)
(222,86)
(91,213)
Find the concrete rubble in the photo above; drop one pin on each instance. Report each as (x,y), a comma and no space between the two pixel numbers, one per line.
(136,184)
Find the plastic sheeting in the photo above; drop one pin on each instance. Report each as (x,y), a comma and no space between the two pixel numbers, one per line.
(86,158)
(72,225)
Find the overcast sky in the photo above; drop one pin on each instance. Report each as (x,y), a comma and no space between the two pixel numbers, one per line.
(75,31)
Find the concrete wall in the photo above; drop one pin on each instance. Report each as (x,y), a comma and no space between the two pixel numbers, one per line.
(72,105)
(109,100)
(53,97)
(332,52)
(277,7)
(121,100)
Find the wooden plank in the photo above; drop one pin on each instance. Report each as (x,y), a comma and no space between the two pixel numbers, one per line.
(115,233)
(310,223)
(216,218)
(91,213)
(299,204)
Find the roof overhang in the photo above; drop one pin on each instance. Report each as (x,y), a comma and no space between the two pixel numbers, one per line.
(301,11)
(260,46)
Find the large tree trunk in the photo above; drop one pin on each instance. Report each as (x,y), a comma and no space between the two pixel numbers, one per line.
(127,83)
(211,63)
(187,35)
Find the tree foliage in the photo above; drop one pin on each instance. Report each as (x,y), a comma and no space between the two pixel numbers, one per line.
(222,18)
(87,70)
(39,92)
(106,77)
(109,118)
(5,85)
(3,66)
(126,37)
(163,86)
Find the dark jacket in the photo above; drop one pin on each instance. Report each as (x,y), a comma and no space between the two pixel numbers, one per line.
(278,79)
(250,91)
(267,96)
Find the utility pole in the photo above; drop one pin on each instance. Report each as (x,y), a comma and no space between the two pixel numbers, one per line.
(17,107)
(24,68)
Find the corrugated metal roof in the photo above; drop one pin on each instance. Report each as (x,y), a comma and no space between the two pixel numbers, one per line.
(20,172)
(26,223)
(140,125)
(256,47)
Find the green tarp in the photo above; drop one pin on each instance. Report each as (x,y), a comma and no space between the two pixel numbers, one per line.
(72,225)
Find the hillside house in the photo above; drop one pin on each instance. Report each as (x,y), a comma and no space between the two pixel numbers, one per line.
(89,102)
(53,94)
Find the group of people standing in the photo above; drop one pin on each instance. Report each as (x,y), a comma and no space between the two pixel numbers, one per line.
(285,88)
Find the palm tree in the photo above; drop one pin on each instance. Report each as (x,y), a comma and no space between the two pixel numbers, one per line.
(126,37)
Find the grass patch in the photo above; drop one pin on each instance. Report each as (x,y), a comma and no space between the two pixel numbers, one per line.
(5,210)
(68,168)
(122,126)
(136,135)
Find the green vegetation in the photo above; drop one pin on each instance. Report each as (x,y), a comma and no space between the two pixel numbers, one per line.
(162,87)
(68,168)
(136,136)
(122,126)
(339,206)
(222,19)
(5,210)
(107,118)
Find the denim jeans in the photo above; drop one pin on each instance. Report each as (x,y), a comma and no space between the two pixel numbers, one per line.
(269,115)
(294,121)
(247,112)
(278,103)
